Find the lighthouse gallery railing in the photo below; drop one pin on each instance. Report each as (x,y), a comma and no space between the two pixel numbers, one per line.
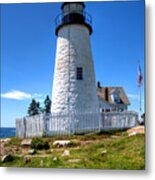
(60,18)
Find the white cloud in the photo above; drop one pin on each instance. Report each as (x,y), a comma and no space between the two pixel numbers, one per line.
(17,95)
(39,97)
(20,95)
(36,95)
(133,96)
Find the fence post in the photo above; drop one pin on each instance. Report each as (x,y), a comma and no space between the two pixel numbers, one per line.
(100,118)
(24,128)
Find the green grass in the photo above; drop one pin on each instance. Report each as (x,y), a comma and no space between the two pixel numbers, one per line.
(14,141)
(122,152)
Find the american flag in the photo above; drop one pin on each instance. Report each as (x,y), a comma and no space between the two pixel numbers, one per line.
(140,77)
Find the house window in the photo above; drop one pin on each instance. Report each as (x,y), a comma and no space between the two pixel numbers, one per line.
(116,97)
(79,73)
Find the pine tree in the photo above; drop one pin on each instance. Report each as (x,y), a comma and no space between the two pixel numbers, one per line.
(47,103)
(34,108)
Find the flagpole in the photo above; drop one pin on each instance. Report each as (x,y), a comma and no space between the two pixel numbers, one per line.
(140,104)
(139,87)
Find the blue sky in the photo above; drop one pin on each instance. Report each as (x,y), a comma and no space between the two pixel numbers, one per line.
(28,45)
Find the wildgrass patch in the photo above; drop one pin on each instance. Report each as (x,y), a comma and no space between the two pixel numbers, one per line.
(39,143)
(14,141)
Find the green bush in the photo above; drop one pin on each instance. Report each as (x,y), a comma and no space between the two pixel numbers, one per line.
(14,141)
(39,143)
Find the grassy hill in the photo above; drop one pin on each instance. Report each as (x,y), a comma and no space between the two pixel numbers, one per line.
(100,151)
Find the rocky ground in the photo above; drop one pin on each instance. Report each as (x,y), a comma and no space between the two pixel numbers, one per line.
(83,151)
(136,130)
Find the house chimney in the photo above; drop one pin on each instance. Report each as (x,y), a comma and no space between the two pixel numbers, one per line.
(106,94)
(98,84)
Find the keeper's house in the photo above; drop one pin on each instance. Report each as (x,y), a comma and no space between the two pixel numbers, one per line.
(112,99)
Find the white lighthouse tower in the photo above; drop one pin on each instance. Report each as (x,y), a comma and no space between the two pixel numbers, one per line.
(74,86)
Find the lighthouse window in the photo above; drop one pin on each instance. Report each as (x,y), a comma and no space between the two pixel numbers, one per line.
(65,9)
(79,73)
(72,7)
(79,7)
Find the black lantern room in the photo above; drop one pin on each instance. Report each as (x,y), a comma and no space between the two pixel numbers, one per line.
(73,13)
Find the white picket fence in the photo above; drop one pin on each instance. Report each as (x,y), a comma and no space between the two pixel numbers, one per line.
(73,123)
(118,120)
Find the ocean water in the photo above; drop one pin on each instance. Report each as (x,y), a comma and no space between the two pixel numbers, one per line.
(7,132)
